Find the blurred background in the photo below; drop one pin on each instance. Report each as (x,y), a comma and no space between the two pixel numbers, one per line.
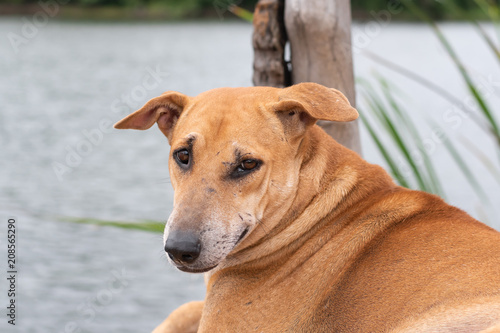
(428,87)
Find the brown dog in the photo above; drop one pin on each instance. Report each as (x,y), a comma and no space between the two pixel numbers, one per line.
(299,234)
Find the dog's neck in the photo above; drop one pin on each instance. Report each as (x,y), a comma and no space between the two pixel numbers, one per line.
(330,180)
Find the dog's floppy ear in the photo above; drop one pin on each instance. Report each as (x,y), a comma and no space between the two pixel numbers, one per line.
(302,104)
(164,110)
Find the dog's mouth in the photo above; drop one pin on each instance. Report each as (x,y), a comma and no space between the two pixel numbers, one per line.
(243,234)
(195,270)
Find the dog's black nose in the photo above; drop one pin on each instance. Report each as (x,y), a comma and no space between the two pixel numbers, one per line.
(183,246)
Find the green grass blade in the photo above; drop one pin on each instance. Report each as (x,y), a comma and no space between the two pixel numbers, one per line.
(487,40)
(463,166)
(452,6)
(487,162)
(424,82)
(495,129)
(150,226)
(241,13)
(387,157)
(433,182)
(491,9)
(392,130)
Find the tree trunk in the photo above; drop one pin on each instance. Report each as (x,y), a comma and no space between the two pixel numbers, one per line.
(269,39)
(320,39)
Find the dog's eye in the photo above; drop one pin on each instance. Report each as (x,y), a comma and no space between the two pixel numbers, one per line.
(182,156)
(248,165)
(245,167)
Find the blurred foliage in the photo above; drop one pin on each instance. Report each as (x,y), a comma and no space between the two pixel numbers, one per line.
(362,9)
(132,9)
(138,3)
(433,8)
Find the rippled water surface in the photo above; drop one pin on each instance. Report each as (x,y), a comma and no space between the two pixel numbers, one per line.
(64,87)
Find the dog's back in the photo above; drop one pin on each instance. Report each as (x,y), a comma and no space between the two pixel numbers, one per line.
(435,269)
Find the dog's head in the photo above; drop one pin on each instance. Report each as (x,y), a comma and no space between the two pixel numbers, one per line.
(235,161)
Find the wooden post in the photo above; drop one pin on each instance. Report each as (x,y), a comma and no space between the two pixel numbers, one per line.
(269,39)
(319,32)
(320,39)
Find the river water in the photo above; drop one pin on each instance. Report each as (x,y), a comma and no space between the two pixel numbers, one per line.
(62,87)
